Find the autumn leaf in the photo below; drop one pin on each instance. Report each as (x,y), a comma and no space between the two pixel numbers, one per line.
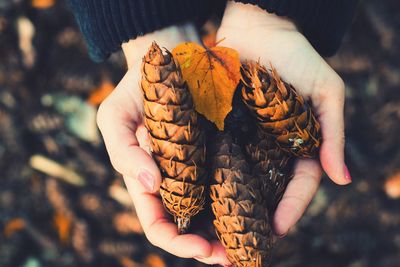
(13,226)
(127,262)
(209,40)
(212,75)
(392,186)
(101,93)
(42,4)
(153,260)
(62,223)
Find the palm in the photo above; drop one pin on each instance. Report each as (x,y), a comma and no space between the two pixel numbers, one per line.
(276,41)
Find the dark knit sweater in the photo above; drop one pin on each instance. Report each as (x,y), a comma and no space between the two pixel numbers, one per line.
(106,24)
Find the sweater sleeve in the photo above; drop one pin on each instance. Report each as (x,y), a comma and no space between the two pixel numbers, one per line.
(323,22)
(106,24)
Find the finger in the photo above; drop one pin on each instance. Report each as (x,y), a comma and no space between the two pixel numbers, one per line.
(158,228)
(330,111)
(218,255)
(119,120)
(300,191)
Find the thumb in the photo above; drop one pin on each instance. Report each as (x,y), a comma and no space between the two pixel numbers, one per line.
(330,110)
(136,163)
(127,143)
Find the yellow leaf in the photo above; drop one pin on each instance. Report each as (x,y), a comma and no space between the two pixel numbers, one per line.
(13,226)
(100,93)
(62,223)
(212,75)
(42,4)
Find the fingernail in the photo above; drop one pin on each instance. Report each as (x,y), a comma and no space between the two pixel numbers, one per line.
(347,175)
(147,180)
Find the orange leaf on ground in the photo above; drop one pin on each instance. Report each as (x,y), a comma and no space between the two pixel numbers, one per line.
(392,185)
(210,40)
(42,4)
(212,75)
(13,226)
(153,260)
(127,223)
(100,93)
(127,262)
(62,223)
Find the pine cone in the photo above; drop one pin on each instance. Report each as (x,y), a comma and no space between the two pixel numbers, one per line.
(272,165)
(241,222)
(177,141)
(280,111)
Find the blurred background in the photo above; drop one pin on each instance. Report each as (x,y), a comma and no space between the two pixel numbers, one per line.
(61,203)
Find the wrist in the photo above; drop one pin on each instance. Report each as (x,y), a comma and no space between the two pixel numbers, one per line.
(239,16)
(168,37)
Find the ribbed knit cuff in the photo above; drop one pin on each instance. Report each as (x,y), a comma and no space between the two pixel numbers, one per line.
(106,24)
(323,22)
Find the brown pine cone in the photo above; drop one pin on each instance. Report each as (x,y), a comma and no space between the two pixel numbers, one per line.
(177,141)
(272,165)
(241,219)
(280,111)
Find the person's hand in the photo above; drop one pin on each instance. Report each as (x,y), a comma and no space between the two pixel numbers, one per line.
(126,138)
(259,35)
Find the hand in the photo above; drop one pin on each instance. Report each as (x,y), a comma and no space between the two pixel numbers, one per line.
(126,138)
(259,35)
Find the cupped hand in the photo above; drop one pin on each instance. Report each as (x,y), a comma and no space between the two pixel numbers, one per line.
(261,36)
(126,138)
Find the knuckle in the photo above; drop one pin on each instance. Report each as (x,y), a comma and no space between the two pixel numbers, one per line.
(152,233)
(337,82)
(302,176)
(102,113)
(152,238)
(118,162)
(291,199)
(331,87)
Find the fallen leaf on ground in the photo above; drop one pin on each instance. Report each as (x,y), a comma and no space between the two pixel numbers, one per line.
(101,93)
(153,260)
(209,40)
(120,194)
(392,185)
(56,170)
(14,225)
(212,75)
(42,4)
(127,223)
(127,262)
(62,223)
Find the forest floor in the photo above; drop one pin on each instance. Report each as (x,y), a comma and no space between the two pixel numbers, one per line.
(62,204)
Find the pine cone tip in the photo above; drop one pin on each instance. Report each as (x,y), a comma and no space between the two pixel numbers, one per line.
(155,55)
(183,225)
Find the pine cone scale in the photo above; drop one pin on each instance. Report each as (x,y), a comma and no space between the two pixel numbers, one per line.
(185,134)
(245,208)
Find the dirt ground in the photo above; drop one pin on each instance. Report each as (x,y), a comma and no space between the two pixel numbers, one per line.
(61,203)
